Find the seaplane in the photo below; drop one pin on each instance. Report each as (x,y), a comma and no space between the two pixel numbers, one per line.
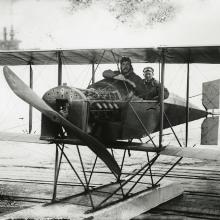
(104,118)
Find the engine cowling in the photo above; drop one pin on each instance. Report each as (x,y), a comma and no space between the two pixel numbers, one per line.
(71,104)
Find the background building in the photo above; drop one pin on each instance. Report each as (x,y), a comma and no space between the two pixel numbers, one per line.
(9,42)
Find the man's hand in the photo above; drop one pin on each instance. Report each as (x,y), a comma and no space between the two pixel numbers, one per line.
(156,98)
(130,82)
(120,77)
(129,96)
(109,74)
(131,93)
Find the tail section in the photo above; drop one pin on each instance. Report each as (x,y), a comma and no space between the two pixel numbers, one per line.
(210,94)
(210,131)
(211,100)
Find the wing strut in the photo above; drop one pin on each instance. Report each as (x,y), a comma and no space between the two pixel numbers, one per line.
(59,68)
(162,97)
(30,106)
(187,104)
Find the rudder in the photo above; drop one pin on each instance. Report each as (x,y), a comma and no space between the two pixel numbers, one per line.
(211,101)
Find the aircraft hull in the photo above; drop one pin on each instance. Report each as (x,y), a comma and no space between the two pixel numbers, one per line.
(141,118)
(105,112)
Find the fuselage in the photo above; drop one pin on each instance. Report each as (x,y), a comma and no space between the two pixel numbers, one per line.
(105,111)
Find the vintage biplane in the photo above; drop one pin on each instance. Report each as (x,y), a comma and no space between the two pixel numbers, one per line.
(104,118)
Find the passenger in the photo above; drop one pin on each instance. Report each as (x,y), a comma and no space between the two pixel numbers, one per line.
(152,86)
(127,74)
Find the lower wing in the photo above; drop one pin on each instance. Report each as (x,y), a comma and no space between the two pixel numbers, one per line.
(204,152)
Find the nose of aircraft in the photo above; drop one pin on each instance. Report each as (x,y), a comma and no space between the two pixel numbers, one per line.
(70,103)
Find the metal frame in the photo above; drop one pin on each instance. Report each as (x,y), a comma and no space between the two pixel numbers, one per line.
(86,181)
(187,104)
(30,107)
(93,73)
(94,69)
(126,183)
(162,112)
(187,113)
(162,96)
(59,60)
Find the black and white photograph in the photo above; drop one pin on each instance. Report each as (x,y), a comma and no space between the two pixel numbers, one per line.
(109,109)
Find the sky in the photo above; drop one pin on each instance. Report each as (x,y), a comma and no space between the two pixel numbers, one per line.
(47,24)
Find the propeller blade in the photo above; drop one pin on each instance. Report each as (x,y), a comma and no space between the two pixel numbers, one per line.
(29,96)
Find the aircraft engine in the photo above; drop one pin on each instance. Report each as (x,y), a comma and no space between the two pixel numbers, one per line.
(71,104)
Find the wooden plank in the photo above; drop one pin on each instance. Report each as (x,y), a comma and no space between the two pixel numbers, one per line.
(125,209)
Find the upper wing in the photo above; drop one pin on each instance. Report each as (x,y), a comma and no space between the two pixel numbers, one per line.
(198,54)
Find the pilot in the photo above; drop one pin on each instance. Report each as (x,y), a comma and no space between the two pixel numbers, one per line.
(152,86)
(127,74)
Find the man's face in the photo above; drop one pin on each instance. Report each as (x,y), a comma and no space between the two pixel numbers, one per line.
(148,75)
(125,67)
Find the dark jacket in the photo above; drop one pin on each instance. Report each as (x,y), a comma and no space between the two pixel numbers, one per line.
(152,90)
(133,79)
(139,85)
